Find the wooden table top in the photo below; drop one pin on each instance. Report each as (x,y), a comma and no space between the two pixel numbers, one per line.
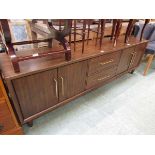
(41,64)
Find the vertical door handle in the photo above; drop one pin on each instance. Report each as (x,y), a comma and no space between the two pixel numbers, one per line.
(132,59)
(56,87)
(62,86)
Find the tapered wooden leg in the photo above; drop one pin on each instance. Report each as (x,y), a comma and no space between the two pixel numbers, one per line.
(98,31)
(30,124)
(103,21)
(88,31)
(70,33)
(148,64)
(113,29)
(83,35)
(127,31)
(118,30)
(74,35)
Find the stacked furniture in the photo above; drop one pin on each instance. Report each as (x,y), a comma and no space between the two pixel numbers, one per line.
(46,83)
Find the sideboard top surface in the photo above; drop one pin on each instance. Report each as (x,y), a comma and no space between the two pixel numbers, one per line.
(41,64)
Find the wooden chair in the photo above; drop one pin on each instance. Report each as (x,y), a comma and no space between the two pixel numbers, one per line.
(100,31)
(129,30)
(86,29)
(53,34)
(147,31)
(149,62)
(116,29)
(150,52)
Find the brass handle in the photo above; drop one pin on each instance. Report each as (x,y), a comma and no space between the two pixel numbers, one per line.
(56,88)
(62,84)
(107,62)
(100,79)
(132,59)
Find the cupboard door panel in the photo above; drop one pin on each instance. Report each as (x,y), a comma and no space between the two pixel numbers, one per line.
(125,60)
(139,51)
(36,92)
(72,79)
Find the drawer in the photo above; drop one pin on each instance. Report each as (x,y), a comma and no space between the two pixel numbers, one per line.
(6,121)
(99,63)
(100,77)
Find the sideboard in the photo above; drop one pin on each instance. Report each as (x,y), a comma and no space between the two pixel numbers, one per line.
(47,83)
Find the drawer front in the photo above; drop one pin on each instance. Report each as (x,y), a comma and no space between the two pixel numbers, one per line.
(6,121)
(100,77)
(99,63)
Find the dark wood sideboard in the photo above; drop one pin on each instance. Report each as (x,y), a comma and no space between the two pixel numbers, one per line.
(47,83)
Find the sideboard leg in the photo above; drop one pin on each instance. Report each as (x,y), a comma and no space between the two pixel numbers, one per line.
(30,124)
(132,71)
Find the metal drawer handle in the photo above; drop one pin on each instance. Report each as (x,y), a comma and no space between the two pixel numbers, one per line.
(56,88)
(100,79)
(1,127)
(62,84)
(107,62)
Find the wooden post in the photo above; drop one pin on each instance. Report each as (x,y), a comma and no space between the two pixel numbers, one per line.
(89,20)
(74,34)
(103,21)
(113,28)
(83,35)
(98,31)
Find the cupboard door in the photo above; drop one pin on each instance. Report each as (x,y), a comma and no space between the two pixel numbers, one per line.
(72,79)
(125,60)
(139,51)
(36,92)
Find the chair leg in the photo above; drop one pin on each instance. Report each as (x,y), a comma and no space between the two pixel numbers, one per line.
(148,64)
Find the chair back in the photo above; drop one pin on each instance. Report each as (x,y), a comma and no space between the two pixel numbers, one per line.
(147,30)
(152,36)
